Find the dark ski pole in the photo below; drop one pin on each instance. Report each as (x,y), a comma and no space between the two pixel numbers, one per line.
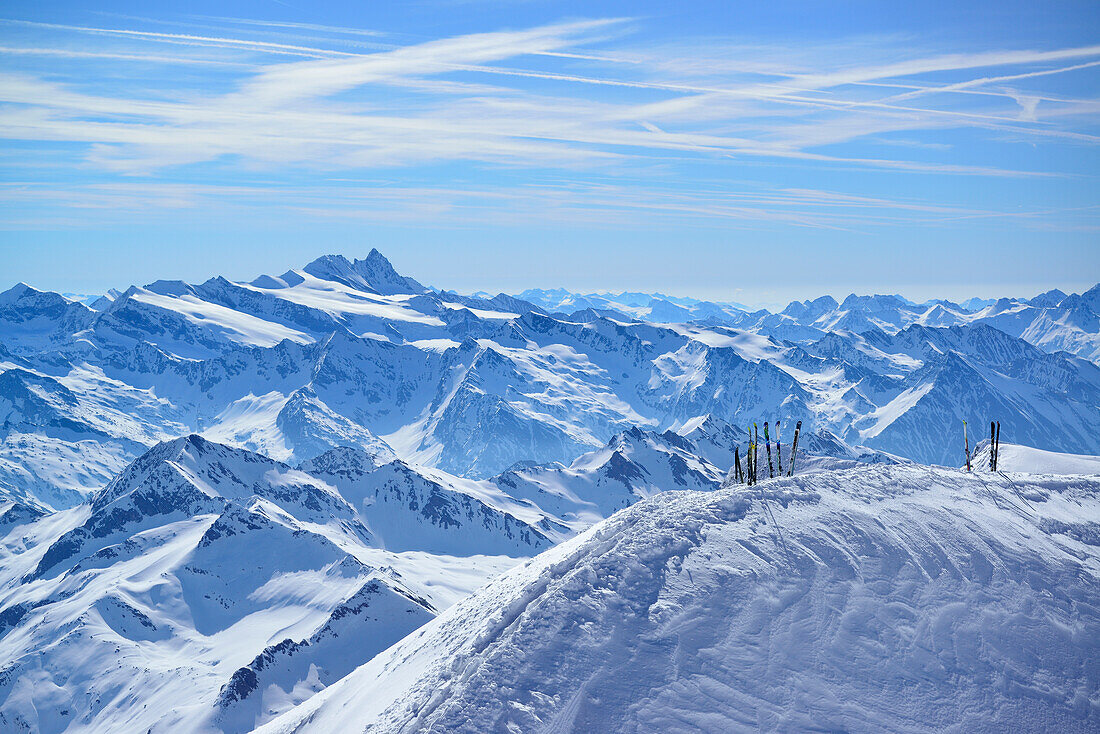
(997,453)
(778,452)
(992,452)
(966,446)
(768,446)
(794,447)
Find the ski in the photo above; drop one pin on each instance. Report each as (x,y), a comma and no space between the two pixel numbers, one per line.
(768,446)
(750,465)
(778,452)
(755,452)
(794,447)
(737,475)
(966,446)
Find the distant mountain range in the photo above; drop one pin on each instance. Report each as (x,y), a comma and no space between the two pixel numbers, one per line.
(232,495)
(1052,320)
(352,353)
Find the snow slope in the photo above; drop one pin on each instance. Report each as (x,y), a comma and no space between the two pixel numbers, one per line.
(889,598)
(1015,458)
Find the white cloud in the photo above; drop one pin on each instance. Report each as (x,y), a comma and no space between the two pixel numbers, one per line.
(539,98)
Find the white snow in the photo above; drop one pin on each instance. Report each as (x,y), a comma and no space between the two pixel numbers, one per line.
(236,326)
(339,299)
(899,599)
(1016,458)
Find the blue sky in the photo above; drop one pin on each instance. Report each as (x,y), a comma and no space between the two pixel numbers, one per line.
(754,152)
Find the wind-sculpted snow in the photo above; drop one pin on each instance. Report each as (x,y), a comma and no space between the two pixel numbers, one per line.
(896,598)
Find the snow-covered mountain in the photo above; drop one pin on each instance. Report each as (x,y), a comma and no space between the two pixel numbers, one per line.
(1053,321)
(351,353)
(242,585)
(221,578)
(895,598)
(220,501)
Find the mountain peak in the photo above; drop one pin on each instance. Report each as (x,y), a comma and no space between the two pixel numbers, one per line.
(17,291)
(374,274)
(1091,298)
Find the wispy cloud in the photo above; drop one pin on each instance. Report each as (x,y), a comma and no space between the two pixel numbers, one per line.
(570,96)
(609,204)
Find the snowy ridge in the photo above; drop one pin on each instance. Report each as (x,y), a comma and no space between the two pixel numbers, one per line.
(379,614)
(889,598)
(1016,458)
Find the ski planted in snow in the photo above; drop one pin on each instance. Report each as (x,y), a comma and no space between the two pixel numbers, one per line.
(794,447)
(755,452)
(966,446)
(778,452)
(768,446)
(751,460)
(737,473)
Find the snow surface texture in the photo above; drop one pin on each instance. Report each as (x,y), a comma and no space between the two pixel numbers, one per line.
(896,598)
(351,353)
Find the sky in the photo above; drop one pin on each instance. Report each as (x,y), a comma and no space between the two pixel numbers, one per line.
(741,151)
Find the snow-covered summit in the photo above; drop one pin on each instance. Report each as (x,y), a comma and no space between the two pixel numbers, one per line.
(374,274)
(894,598)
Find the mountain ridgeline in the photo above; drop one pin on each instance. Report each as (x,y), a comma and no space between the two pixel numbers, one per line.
(351,353)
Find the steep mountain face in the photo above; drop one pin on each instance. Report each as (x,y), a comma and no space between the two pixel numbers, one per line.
(376,616)
(410,510)
(373,274)
(31,320)
(889,598)
(221,578)
(188,477)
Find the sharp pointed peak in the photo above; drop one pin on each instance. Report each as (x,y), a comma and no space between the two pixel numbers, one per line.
(374,274)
